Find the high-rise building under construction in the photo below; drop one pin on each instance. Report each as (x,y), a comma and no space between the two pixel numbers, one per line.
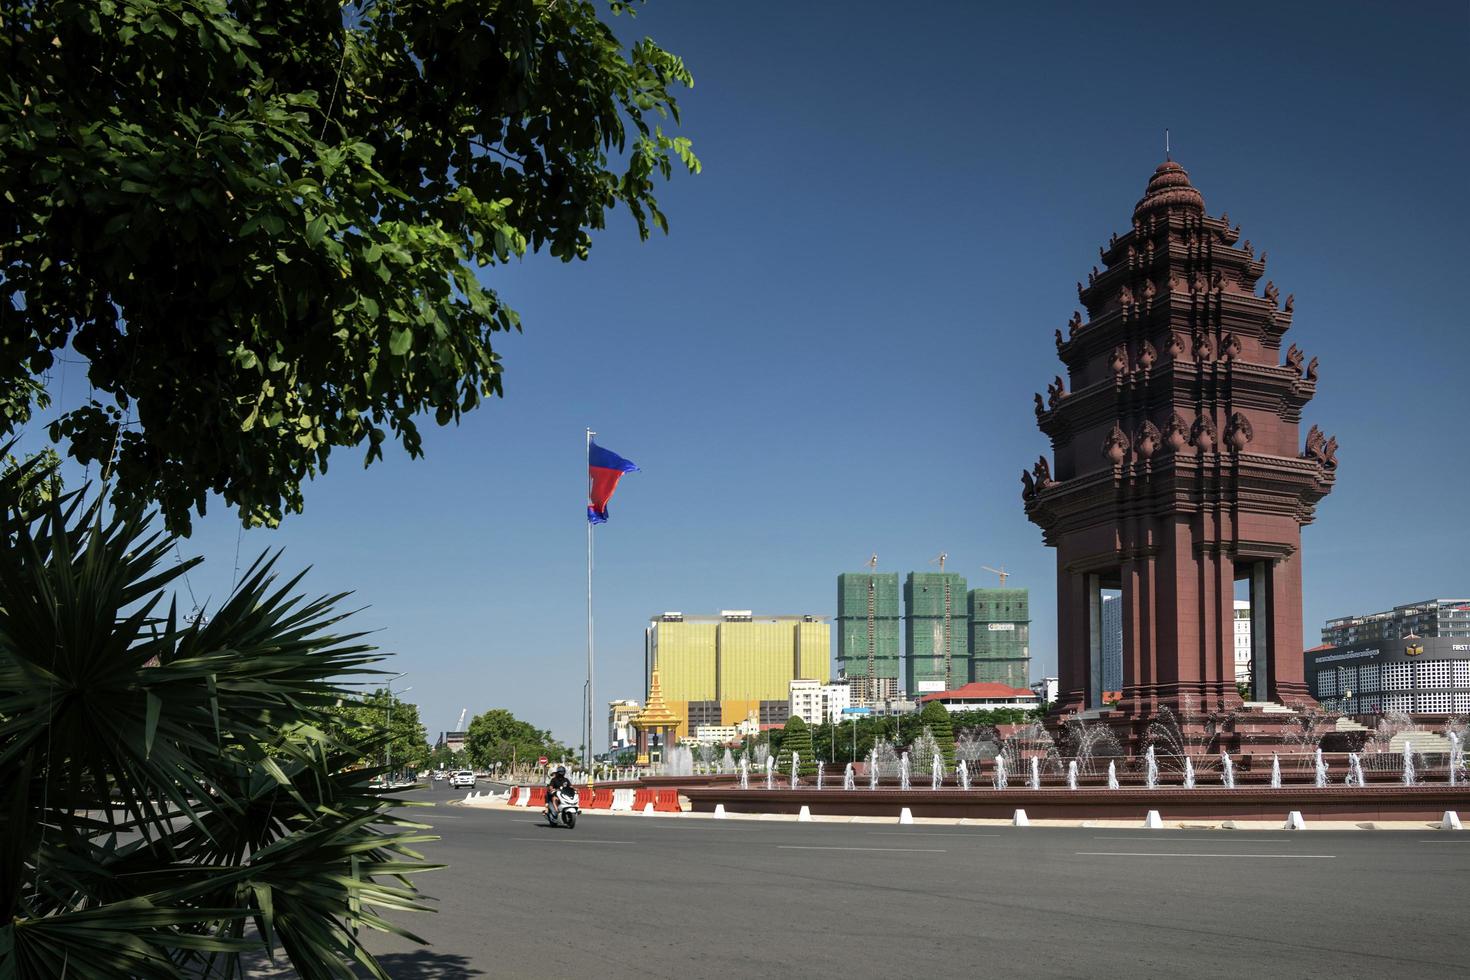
(1000,636)
(937,635)
(867,627)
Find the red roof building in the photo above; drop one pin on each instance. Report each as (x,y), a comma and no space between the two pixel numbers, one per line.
(983,696)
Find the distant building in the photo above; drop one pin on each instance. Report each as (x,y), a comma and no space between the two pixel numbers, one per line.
(1243,642)
(1112,643)
(719,671)
(1047,689)
(1428,675)
(937,634)
(454,741)
(1000,636)
(868,617)
(818,704)
(979,696)
(620,715)
(1431,617)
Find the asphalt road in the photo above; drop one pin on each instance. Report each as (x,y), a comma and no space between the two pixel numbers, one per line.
(632,896)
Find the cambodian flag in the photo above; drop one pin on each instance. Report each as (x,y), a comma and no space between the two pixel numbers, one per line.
(604,469)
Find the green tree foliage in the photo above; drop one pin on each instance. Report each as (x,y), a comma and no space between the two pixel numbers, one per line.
(260,223)
(383,728)
(497,736)
(169,794)
(36,480)
(796,736)
(935,719)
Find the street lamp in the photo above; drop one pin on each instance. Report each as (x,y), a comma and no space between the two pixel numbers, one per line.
(1413,647)
(388,746)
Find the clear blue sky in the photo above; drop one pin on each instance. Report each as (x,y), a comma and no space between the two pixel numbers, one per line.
(833,353)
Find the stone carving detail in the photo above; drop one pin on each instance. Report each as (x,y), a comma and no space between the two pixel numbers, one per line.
(1175,434)
(1115,446)
(1315,443)
(1197,284)
(1294,358)
(1074,324)
(1312,370)
(1126,302)
(1055,392)
(1329,453)
(1149,292)
(1290,297)
(1059,341)
(1204,346)
(1028,485)
(1248,249)
(1229,348)
(1240,432)
(1202,434)
(1147,355)
(1176,347)
(1042,472)
(1217,281)
(1272,293)
(1147,439)
(1040,408)
(1118,363)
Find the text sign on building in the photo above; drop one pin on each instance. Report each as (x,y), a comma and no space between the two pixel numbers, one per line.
(1002,627)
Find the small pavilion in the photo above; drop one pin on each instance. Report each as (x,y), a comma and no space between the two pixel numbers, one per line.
(657,726)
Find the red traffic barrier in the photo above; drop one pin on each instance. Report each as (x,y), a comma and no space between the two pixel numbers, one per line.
(666,801)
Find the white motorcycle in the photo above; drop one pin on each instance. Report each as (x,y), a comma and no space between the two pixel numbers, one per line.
(563,807)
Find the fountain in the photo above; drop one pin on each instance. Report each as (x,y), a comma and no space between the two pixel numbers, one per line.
(795,761)
(873,769)
(1112,774)
(1035,773)
(727,762)
(1275,771)
(1408,763)
(847,780)
(1456,761)
(1000,771)
(903,771)
(1151,771)
(936,773)
(1188,773)
(744,774)
(821,766)
(770,772)
(1355,770)
(962,773)
(1321,768)
(1227,769)
(1072,774)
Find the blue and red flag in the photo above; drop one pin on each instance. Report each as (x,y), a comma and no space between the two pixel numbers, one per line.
(604,469)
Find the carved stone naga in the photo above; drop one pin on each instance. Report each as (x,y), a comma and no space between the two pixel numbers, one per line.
(1118,363)
(1040,407)
(1294,359)
(1175,433)
(1059,341)
(1055,392)
(1115,446)
(1028,485)
(1273,295)
(1312,370)
(1147,355)
(1147,439)
(1204,346)
(1240,432)
(1202,434)
(1126,302)
(1229,347)
(1316,442)
(1329,453)
(1074,324)
(1042,472)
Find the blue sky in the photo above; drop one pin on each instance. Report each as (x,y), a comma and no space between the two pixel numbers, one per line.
(833,352)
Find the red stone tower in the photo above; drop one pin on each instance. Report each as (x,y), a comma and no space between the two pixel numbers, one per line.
(1177,466)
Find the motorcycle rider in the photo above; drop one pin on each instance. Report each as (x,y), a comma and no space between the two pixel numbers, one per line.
(558,781)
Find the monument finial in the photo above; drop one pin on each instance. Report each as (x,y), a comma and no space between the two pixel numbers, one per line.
(1166,144)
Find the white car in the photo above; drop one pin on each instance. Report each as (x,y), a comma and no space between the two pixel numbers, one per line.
(463,777)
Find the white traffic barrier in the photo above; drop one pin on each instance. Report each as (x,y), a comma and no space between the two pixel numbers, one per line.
(805,816)
(466,798)
(719,811)
(525,798)
(622,800)
(1451,821)
(1019,819)
(905,816)
(1153,821)
(1294,821)
(648,808)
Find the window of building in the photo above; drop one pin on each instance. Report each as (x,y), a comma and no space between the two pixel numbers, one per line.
(1462,673)
(1398,702)
(1436,673)
(1368,677)
(1436,702)
(1462,702)
(1370,705)
(1326,683)
(1396,677)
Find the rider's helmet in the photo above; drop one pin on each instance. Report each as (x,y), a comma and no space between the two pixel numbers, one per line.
(561,770)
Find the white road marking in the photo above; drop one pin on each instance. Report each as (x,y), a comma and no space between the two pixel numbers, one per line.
(926,833)
(816,847)
(1165,854)
(571,840)
(1212,840)
(1445,842)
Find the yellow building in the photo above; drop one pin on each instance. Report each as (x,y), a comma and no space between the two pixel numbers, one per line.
(735,667)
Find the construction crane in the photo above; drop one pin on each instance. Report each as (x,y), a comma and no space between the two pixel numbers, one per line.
(948,666)
(459,727)
(999,571)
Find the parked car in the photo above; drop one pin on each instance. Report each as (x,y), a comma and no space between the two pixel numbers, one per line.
(464,778)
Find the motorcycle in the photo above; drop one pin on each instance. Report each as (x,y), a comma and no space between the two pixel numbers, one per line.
(563,806)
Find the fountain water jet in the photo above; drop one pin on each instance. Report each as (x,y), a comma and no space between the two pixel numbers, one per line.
(903,771)
(1188,773)
(1151,770)
(936,778)
(1112,774)
(1035,773)
(1408,763)
(1072,774)
(1275,771)
(873,769)
(1321,767)
(795,761)
(1355,770)
(1456,762)
(1000,771)
(821,767)
(744,774)
(770,772)
(847,780)
(1227,769)
(962,773)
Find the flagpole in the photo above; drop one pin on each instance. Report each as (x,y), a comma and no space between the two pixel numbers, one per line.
(587,752)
